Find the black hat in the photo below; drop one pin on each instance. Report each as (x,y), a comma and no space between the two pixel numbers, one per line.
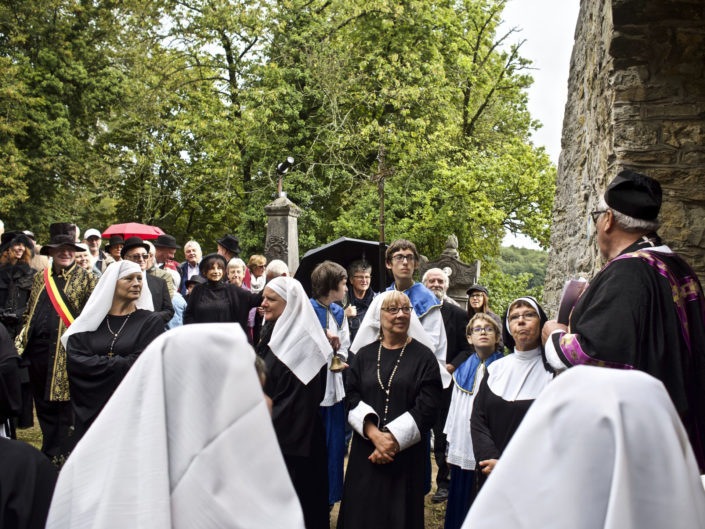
(114,239)
(10,238)
(231,243)
(61,234)
(166,241)
(635,195)
(133,242)
(195,280)
(478,288)
(206,262)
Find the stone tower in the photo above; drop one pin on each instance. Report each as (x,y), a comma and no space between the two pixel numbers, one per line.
(636,100)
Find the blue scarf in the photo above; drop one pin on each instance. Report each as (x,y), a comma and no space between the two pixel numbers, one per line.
(422,299)
(322,313)
(464,376)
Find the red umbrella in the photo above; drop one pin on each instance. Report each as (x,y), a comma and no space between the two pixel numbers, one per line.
(131,229)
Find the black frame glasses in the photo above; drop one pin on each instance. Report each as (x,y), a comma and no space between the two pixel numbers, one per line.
(596,214)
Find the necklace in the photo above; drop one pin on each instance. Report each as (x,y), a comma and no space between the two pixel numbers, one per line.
(115,334)
(388,389)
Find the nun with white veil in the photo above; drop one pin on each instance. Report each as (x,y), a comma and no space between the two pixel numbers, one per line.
(186,441)
(599,449)
(394,392)
(114,327)
(296,353)
(510,386)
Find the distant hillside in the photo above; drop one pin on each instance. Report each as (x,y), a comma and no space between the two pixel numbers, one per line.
(515,261)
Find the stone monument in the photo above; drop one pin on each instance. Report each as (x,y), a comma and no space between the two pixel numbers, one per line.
(462,276)
(283,232)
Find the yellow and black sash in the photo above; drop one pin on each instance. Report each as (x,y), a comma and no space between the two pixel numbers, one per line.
(57,298)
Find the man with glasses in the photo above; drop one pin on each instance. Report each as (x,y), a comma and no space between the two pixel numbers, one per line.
(137,251)
(455,321)
(643,310)
(360,295)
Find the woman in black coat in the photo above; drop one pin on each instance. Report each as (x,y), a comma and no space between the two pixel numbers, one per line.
(15,279)
(217,301)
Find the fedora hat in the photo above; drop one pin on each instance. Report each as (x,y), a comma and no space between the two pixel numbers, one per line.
(114,239)
(133,242)
(61,234)
(230,243)
(166,241)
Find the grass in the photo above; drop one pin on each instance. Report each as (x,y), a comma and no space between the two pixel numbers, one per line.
(434,513)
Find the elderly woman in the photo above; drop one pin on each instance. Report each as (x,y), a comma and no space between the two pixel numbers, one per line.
(16,277)
(257,264)
(394,391)
(114,327)
(236,271)
(483,334)
(510,386)
(217,301)
(599,449)
(296,353)
(85,260)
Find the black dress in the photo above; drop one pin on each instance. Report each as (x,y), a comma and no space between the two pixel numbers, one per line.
(390,496)
(15,286)
(300,432)
(492,425)
(218,302)
(10,390)
(93,375)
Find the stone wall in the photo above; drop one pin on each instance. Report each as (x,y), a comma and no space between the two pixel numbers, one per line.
(636,99)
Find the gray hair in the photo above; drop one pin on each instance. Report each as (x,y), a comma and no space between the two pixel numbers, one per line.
(446,280)
(236,262)
(194,244)
(627,223)
(276,268)
(359,266)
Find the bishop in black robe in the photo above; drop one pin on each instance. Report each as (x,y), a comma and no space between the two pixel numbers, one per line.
(645,310)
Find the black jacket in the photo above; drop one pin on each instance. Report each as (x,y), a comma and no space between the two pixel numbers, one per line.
(160,297)
(455,320)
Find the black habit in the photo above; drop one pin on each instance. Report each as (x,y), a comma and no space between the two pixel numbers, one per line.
(27,480)
(390,496)
(93,375)
(299,428)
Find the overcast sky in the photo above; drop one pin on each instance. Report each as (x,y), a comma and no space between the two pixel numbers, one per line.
(548,27)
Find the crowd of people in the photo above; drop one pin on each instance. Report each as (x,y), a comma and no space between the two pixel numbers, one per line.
(168,392)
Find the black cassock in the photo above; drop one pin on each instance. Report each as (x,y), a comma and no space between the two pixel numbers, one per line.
(639,313)
(390,496)
(27,480)
(299,428)
(93,375)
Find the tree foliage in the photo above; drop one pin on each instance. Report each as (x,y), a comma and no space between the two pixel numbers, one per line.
(176,112)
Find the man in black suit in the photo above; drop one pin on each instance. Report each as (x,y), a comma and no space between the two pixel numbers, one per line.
(137,251)
(455,321)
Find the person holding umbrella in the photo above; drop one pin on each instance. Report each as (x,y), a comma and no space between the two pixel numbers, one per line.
(166,247)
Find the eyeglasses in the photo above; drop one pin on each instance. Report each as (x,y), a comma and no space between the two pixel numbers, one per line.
(395,310)
(361,278)
(137,257)
(475,296)
(400,258)
(596,214)
(478,330)
(528,316)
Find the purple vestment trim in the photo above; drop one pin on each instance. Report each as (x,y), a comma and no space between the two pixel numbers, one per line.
(576,356)
(682,291)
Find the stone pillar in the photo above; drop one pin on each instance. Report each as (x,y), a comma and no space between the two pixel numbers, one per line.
(283,232)
(462,276)
(636,100)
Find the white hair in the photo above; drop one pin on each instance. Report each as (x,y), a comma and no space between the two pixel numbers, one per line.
(194,244)
(627,223)
(276,268)
(152,249)
(446,280)
(236,262)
